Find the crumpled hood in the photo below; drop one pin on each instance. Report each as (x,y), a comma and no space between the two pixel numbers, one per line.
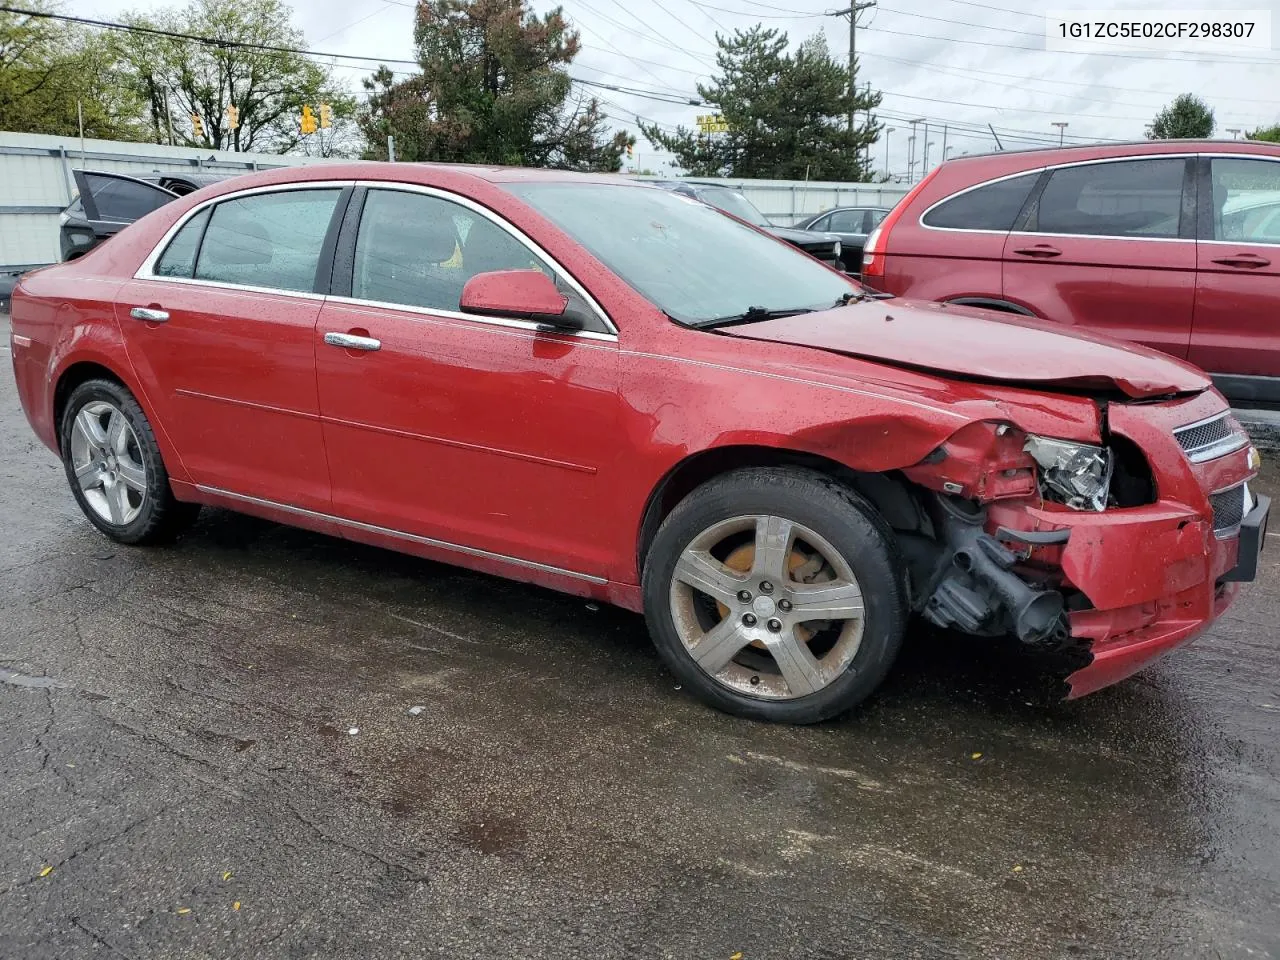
(982,344)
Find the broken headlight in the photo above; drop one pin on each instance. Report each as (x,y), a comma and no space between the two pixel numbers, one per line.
(1075,474)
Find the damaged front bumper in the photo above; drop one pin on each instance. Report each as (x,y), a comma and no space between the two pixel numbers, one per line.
(1155,577)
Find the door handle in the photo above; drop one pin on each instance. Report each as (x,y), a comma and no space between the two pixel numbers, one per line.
(149,314)
(349,341)
(1249,260)
(1040,250)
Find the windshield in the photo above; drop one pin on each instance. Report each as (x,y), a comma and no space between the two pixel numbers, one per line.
(689,260)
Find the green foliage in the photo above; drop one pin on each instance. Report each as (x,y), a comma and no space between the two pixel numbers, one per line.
(1269,134)
(176,78)
(46,67)
(1188,117)
(492,89)
(787,114)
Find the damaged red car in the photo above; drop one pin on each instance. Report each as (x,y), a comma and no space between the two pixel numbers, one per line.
(613,391)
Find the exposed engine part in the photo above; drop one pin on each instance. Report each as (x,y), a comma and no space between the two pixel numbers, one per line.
(974,589)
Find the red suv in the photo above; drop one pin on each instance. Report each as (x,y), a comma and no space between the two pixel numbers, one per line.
(1174,244)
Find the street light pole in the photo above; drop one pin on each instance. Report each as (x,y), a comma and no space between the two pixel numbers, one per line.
(1062,129)
(887,131)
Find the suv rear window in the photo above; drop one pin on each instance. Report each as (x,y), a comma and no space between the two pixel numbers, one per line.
(991,207)
(1130,198)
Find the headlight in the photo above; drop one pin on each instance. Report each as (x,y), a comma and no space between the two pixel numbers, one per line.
(1075,474)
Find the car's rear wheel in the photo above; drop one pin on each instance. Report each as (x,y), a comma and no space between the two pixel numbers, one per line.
(114,466)
(776,594)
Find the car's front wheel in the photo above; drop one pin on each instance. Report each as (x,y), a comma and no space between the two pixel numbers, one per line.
(114,466)
(776,594)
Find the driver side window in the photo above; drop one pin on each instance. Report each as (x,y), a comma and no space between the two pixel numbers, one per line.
(419,250)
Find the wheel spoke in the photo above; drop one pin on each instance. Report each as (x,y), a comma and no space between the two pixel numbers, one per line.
(708,575)
(89,475)
(797,664)
(838,600)
(719,645)
(117,501)
(132,475)
(87,424)
(774,537)
(117,432)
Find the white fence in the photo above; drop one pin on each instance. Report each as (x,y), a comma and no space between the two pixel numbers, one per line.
(36,185)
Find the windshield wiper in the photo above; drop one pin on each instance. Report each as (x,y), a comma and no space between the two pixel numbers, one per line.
(750,315)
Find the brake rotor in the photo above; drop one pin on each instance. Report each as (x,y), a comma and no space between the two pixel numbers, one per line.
(742,558)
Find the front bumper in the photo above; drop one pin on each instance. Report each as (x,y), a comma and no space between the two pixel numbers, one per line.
(1143,609)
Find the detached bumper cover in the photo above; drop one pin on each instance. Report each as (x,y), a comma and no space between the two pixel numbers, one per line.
(1157,577)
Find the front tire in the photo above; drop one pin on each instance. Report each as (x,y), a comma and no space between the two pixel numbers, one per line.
(776,594)
(114,466)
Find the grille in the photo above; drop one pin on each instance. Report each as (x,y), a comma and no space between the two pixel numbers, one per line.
(1228,508)
(1211,438)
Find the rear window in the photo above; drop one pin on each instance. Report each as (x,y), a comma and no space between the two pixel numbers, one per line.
(124,201)
(994,206)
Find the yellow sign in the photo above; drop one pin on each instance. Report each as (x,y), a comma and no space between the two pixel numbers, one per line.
(712,123)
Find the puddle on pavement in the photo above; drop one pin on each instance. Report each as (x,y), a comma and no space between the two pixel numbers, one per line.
(16,679)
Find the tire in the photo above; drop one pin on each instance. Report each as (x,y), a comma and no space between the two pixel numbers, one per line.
(115,469)
(780,519)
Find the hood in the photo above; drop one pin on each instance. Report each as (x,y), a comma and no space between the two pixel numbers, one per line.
(803,238)
(982,345)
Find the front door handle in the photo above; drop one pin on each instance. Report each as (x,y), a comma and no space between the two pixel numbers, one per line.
(149,314)
(1040,250)
(350,341)
(1250,260)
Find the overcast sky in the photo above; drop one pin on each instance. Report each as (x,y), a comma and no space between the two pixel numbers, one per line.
(953,62)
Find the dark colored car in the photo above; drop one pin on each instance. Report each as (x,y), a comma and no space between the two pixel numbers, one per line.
(605,389)
(109,202)
(852,225)
(825,246)
(1173,244)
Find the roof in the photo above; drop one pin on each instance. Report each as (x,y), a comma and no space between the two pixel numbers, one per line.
(1134,146)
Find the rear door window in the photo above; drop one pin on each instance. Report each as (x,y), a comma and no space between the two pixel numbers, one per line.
(1246,200)
(268,239)
(1129,198)
(994,206)
(179,258)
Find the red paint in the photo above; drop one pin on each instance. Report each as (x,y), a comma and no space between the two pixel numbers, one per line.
(548,447)
(1173,295)
(513,293)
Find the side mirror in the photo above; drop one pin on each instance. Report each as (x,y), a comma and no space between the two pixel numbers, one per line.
(522,294)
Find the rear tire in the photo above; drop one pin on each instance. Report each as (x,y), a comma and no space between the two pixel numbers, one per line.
(737,576)
(114,466)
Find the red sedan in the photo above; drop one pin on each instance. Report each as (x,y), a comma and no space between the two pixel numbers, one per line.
(614,391)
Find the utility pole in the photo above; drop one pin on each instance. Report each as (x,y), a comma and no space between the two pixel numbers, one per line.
(852,12)
(1062,129)
(944,143)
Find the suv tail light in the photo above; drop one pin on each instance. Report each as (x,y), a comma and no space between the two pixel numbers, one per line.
(877,245)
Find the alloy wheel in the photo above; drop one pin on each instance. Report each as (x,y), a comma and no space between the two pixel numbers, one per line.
(767,607)
(107,463)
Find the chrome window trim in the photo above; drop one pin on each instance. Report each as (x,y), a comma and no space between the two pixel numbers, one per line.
(508,228)
(432,313)
(1237,440)
(401,535)
(1061,166)
(146,271)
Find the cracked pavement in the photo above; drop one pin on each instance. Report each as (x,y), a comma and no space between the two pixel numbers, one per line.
(174,742)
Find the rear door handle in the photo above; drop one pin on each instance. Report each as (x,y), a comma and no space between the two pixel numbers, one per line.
(149,314)
(1249,260)
(1039,250)
(349,341)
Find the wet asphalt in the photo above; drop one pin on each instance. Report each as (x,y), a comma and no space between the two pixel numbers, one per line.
(211,747)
